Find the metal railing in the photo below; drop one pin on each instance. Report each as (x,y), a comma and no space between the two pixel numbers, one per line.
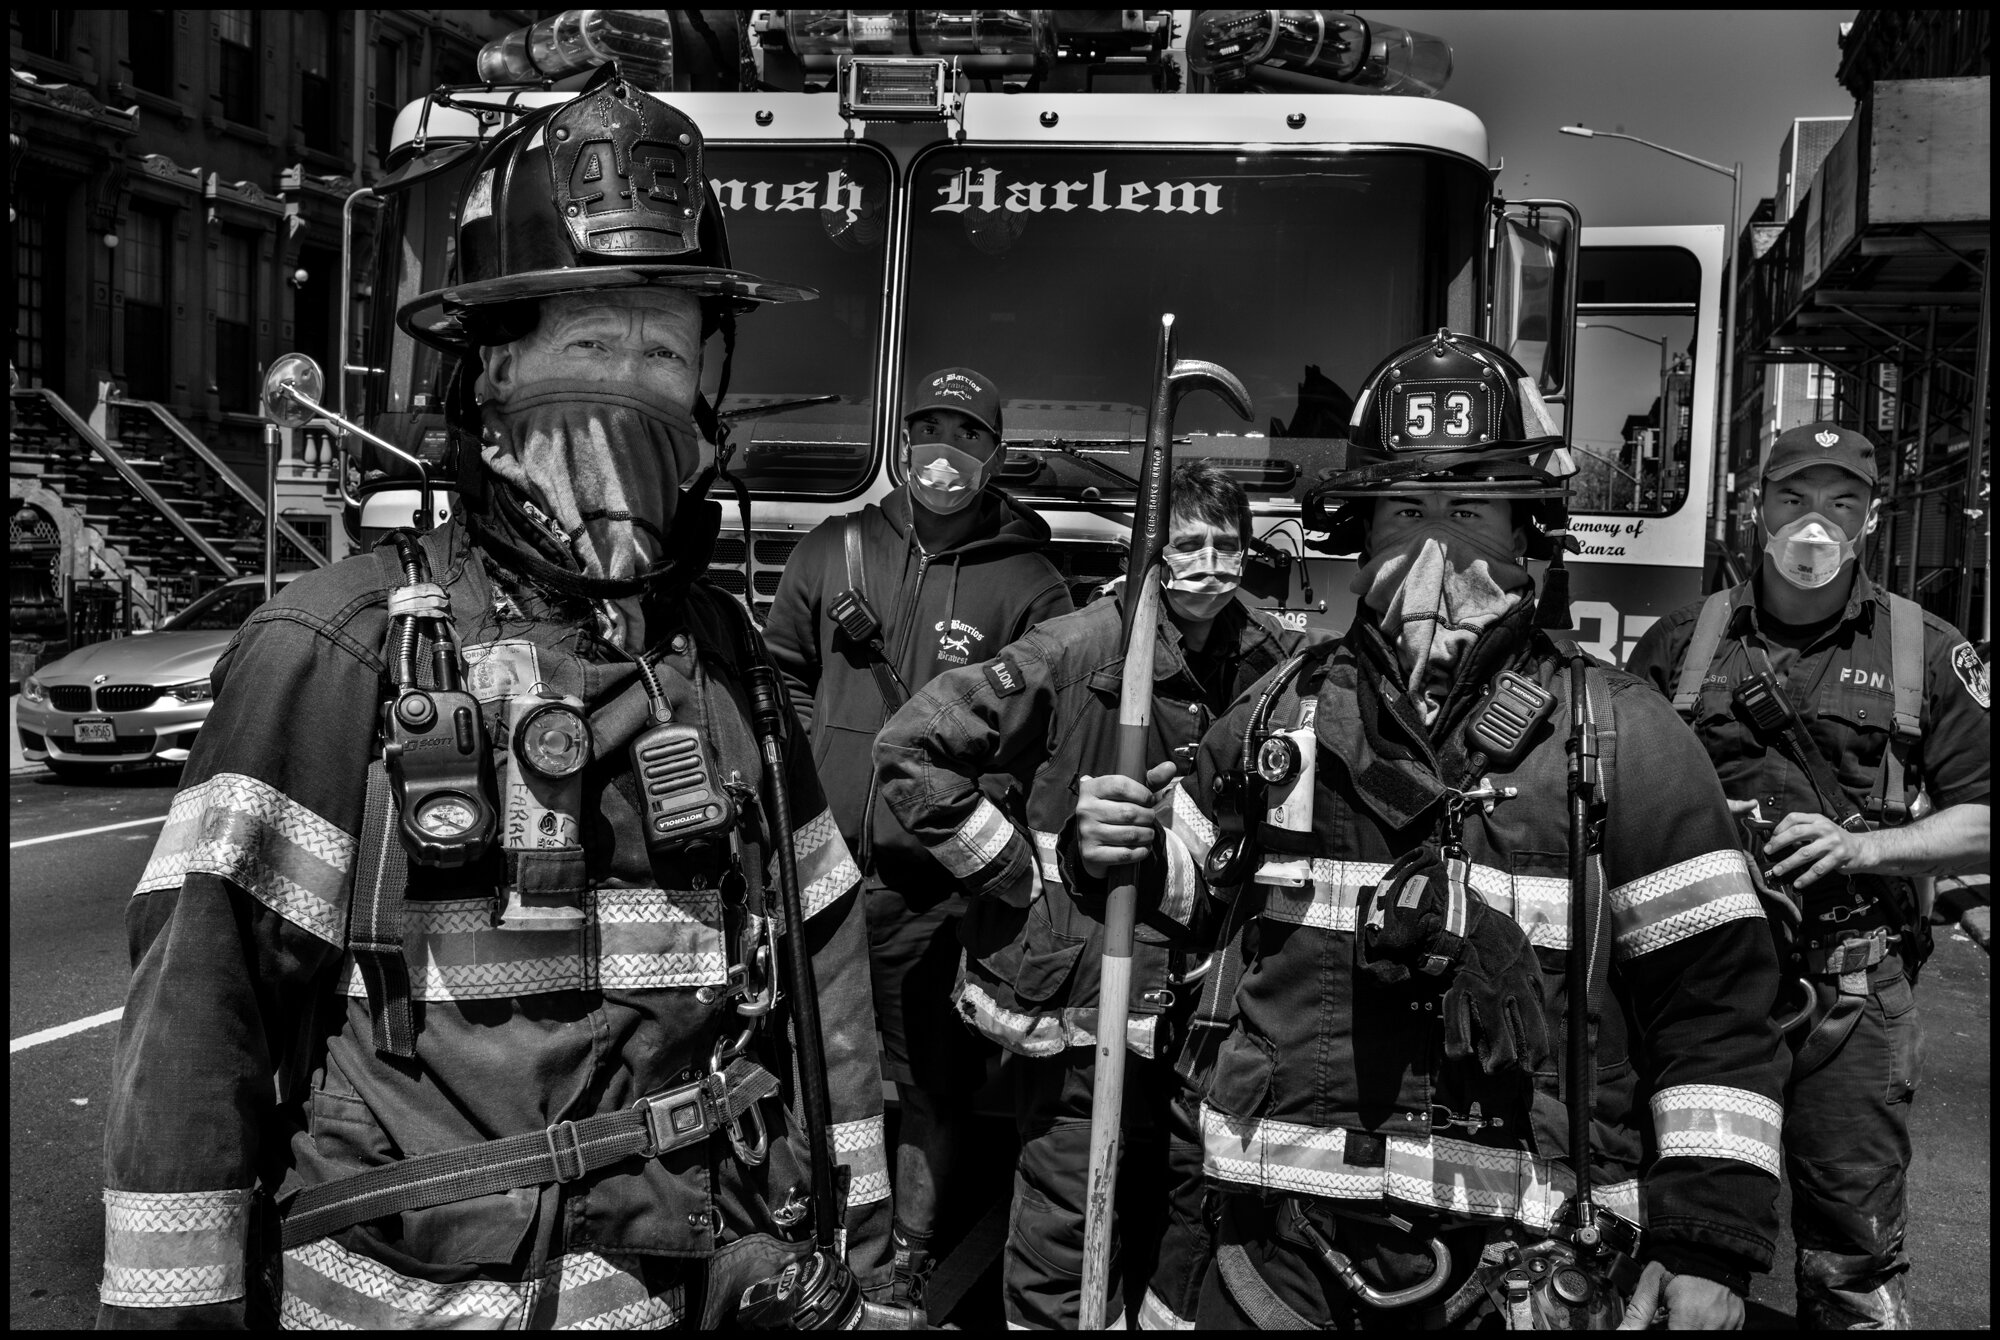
(133,479)
(215,463)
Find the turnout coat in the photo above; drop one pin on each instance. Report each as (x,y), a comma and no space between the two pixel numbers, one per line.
(245,1069)
(1046,709)
(1328,1085)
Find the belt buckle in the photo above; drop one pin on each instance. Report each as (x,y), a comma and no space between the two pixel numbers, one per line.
(565,1147)
(674,1118)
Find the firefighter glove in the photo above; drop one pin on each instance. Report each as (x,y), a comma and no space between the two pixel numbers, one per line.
(1494,1006)
(1408,920)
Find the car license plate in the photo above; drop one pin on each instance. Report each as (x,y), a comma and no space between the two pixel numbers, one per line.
(95,730)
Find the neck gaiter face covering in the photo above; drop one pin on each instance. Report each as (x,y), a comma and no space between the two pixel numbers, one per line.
(1435,589)
(604,463)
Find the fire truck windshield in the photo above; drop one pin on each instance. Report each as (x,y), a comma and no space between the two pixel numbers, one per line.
(1048,269)
(811,216)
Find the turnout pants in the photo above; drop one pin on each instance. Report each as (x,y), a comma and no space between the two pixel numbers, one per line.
(1847,1158)
(1156,1234)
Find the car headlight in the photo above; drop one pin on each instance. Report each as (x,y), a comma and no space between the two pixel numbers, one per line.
(32,690)
(194,691)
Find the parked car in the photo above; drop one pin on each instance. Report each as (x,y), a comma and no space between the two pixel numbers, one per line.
(136,699)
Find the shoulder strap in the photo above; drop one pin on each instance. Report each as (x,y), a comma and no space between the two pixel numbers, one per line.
(887,682)
(1701,649)
(375,919)
(1906,665)
(850,534)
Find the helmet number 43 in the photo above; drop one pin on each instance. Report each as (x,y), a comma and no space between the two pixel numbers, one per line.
(1421,409)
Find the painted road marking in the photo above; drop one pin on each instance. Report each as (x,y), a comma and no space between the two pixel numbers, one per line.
(85,832)
(64,1030)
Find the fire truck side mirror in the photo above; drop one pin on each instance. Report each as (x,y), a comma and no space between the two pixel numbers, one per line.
(292,390)
(1534,269)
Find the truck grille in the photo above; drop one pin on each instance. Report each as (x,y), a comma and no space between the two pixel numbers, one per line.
(69,698)
(126,697)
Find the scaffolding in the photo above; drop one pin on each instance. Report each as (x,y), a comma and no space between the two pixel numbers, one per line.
(1880,277)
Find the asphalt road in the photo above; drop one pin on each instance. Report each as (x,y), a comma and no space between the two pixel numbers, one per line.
(68,963)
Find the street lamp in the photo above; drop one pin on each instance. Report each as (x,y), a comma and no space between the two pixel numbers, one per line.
(1662,407)
(1719,496)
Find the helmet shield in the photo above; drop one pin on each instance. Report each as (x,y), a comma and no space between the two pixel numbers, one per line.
(605,191)
(1446,411)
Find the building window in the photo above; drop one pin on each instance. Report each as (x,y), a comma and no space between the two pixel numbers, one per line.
(152,48)
(317,109)
(143,253)
(236,31)
(46,32)
(235,304)
(455,65)
(391,92)
(30,289)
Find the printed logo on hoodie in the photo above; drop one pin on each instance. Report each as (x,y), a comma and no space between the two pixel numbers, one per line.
(956,644)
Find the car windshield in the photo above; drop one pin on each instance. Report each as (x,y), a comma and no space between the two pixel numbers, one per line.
(221,610)
(1048,270)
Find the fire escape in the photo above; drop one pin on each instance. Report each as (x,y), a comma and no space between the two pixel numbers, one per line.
(1881,277)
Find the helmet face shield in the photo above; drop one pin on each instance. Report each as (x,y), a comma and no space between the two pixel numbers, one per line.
(604,191)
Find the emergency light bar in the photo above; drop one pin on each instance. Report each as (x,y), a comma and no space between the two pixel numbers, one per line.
(874,88)
(1230,46)
(640,41)
(985,41)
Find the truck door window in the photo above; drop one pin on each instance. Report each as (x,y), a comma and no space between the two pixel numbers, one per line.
(1633,430)
(1047,269)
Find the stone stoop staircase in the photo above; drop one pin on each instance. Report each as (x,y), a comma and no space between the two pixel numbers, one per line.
(145,502)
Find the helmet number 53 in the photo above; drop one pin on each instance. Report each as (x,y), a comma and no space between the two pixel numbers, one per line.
(1422,410)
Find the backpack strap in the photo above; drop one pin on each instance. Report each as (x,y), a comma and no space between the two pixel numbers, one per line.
(1701,649)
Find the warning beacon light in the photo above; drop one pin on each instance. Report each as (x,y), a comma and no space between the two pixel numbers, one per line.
(984,41)
(640,41)
(1233,46)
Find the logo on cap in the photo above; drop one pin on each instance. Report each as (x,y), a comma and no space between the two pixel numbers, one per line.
(1829,440)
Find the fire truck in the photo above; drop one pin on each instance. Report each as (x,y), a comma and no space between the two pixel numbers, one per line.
(1025,192)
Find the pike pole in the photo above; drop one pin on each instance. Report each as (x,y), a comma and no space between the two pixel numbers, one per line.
(1172,378)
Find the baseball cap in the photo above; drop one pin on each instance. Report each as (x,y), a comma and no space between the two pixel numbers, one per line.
(970,393)
(1820,444)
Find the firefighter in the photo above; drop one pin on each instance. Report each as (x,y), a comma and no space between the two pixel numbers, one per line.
(536,1078)
(1384,826)
(1045,708)
(1871,702)
(942,573)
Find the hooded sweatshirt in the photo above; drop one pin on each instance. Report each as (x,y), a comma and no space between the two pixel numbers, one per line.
(939,611)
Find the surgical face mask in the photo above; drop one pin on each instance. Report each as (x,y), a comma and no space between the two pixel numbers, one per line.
(1809,552)
(603,462)
(1200,584)
(944,479)
(1435,589)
